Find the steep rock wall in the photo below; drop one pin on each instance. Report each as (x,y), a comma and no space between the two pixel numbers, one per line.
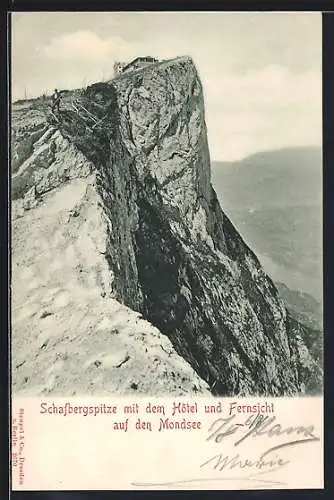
(201,284)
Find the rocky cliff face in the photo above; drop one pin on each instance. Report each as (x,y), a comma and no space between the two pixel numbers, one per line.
(167,248)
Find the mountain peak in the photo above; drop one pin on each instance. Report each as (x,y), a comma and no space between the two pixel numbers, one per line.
(163,245)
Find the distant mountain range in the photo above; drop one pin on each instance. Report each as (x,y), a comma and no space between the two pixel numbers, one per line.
(275,200)
(271,179)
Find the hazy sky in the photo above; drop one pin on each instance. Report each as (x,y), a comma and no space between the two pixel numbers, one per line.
(261,72)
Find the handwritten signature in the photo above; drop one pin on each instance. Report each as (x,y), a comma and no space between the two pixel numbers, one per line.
(221,462)
(253,427)
(260,425)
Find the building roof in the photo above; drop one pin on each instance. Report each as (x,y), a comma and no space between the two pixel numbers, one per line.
(139,59)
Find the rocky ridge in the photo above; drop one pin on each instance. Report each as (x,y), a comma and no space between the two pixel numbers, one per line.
(164,247)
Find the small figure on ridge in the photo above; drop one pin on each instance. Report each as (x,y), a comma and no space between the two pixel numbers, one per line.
(56,101)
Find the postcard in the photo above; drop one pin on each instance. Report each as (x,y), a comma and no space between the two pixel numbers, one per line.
(166,251)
